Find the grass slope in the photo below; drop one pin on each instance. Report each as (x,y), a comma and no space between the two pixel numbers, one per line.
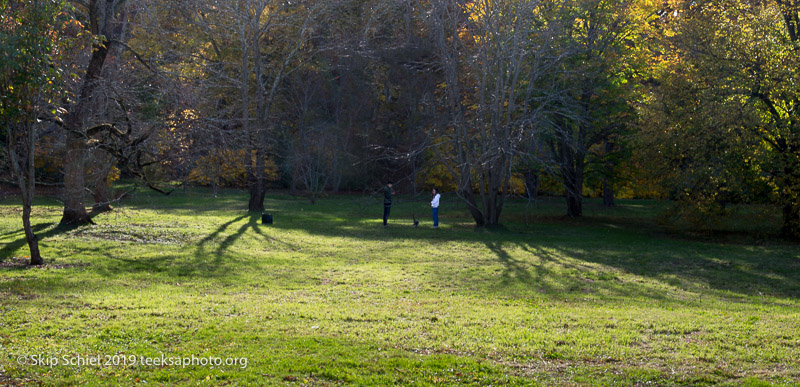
(327,296)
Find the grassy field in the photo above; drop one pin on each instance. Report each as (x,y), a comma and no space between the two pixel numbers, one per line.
(327,296)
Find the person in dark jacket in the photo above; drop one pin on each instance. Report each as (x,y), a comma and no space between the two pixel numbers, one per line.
(387,202)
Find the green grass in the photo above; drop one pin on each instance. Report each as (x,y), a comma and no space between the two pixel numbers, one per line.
(327,296)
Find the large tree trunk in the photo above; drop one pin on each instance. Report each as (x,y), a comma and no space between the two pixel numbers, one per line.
(74,174)
(472,206)
(573,183)
(496,193)
(574,205)
(257,194)
(608,193)
(572,164)
(101,195)
(101,192)
(494,208)
(74,188)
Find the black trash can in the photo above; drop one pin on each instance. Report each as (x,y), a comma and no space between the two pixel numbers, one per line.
(266,218)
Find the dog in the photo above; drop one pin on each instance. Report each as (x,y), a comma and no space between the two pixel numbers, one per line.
(416,222)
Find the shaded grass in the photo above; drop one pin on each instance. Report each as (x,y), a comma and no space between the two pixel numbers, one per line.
(328,296)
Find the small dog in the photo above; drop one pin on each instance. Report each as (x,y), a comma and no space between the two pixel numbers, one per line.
(416,222)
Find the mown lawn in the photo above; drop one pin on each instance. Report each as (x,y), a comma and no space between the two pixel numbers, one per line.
(327,296)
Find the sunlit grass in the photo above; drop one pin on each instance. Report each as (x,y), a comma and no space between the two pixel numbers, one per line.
(326,295)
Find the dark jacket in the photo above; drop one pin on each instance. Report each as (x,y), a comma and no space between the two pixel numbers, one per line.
(387,196)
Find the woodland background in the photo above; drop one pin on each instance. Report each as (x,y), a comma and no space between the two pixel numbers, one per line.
(692,101)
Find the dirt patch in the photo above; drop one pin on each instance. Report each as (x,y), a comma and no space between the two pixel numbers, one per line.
(155,233)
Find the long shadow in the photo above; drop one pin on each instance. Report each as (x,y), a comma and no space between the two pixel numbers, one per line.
(626,246)
(210,258)
(36,228)
(216,262)
(541,253)
(220,230)
(219,254)
(9,248)
(254,225)
(229,240)
(514,271)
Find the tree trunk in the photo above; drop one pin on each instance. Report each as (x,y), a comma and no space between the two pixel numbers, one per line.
(74,178)
(531,184)
(472,206)
(257,194)
(74,208)
(495,195)
(33,240)
(791,221)
(493,218)
(574,205)
(608,185)
(256,202)
(573,182)
(257,186)
(608,193)
(572,159)
(572,174)
(26,180)
(101,193)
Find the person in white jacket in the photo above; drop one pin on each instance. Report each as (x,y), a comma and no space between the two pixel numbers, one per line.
(435,207)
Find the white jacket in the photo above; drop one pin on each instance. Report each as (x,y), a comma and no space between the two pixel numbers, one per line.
(435,201)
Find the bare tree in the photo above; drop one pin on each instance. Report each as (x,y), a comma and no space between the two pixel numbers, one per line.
(256,45)
(489,60)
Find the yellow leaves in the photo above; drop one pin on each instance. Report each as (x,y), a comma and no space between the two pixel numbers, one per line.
(188,114)
(113,175)
(226,168)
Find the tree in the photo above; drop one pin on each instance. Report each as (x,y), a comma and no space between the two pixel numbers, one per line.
(31,39)
(737,64)
(490,55)
(102,19)
(597,80)
(247,49)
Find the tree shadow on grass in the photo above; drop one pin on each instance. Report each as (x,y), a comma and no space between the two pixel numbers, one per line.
(211,257)
(513,269)
(585,258)
(42,231)
(231,238)
(556,259)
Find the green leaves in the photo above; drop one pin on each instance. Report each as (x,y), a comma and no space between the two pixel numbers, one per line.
(29,43)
